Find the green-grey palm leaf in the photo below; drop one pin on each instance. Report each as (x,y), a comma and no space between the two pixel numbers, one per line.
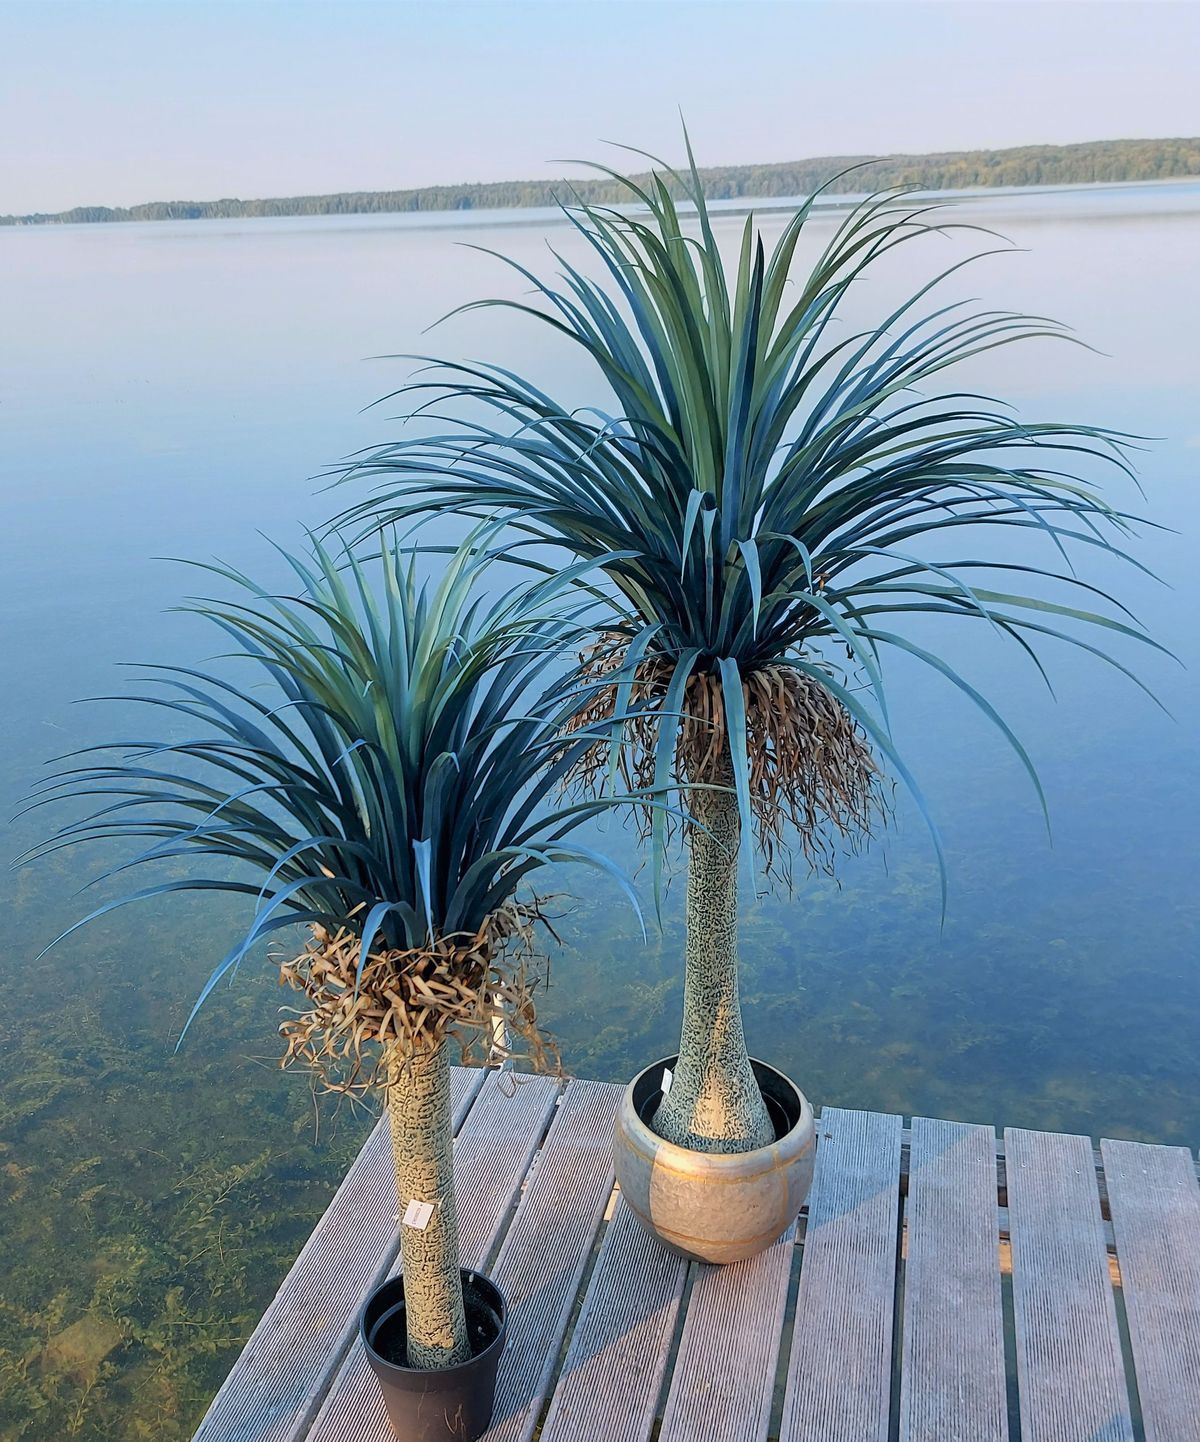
(387,773)
(775,480)
(399,719)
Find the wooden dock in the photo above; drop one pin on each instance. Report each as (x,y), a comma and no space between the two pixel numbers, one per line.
(940,1286)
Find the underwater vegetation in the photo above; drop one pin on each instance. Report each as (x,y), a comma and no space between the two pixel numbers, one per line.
(153,1201)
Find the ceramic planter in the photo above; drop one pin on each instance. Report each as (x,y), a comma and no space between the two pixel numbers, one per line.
(710,1207)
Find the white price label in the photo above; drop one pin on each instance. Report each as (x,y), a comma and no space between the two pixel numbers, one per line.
(668,1078)
(417,1215)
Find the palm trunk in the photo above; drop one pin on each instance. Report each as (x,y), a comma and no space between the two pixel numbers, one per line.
(422,1146)
(714,1104)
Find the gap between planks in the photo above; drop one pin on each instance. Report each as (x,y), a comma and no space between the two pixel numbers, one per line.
(572,1318)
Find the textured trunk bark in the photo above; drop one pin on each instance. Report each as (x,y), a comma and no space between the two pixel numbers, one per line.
(714,1104)
(422,1146)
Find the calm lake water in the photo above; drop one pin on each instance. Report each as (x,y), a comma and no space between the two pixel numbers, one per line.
(172,389)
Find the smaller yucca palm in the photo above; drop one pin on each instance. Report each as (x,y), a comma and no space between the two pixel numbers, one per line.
(776,494)
(382,777)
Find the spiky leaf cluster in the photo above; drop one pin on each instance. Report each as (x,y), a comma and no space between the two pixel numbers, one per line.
(389,762)
(777,488)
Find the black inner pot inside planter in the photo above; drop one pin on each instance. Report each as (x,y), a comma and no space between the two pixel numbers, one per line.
(781,1098)
(385,1322)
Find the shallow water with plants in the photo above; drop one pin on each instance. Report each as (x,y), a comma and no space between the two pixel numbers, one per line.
(171,390)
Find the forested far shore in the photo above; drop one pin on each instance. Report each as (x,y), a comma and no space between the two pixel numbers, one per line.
(1028,165)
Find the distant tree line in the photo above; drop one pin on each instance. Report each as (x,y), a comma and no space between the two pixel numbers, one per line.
(1094,161)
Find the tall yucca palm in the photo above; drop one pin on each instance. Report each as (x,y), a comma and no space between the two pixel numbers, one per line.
(780,490)
(383,775)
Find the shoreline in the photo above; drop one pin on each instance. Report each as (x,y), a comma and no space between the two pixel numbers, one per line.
(517,216)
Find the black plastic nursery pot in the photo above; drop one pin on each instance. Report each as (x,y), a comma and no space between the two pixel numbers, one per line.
(451,1404)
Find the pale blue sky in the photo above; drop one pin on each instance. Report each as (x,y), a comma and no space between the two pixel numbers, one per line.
(115,102)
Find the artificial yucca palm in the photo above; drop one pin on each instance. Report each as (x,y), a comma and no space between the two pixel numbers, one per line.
(383,775)
(783,491)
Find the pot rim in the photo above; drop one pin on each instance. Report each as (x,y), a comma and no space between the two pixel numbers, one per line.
(666,1150)
(470,1279)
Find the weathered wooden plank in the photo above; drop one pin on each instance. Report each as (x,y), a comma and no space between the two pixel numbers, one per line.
(278,1380)
(839,1373)
(952,1374)
(546,1250)
(491,1160)
(613,1372)
(1070,1375)
(721,1388)
(1156,1217)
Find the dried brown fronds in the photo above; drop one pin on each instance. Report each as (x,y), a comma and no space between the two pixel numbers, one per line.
(476,990)
(811,766)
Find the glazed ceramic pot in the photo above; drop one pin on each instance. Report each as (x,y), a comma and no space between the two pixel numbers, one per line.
(706,1206)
